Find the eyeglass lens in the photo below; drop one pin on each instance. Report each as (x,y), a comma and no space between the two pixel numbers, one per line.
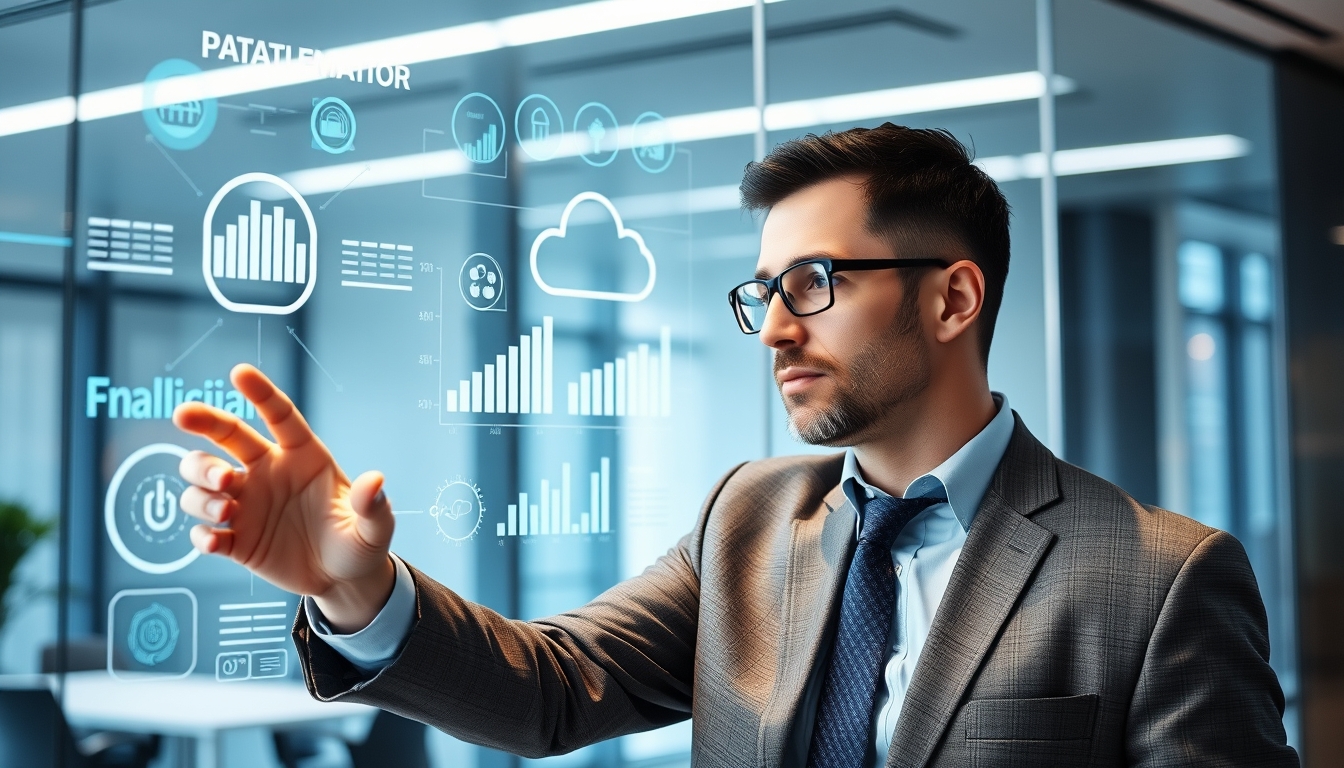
(806,288)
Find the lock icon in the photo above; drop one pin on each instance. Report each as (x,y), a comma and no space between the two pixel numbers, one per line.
(333,125)
(541,124)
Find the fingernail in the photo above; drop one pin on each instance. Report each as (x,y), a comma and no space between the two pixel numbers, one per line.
(214,474)
(217,508)
(380,497)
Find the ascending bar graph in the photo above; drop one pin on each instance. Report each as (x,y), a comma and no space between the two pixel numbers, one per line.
(639,384)
(260,247)
(519,381)
(522,380)
(553,512)
(485,148)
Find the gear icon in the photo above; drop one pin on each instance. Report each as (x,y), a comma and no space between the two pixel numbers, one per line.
(458,510)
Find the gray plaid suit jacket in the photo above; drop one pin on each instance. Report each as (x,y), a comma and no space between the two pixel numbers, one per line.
(1080,628)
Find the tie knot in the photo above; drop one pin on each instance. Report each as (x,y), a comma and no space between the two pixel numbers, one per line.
(885,516)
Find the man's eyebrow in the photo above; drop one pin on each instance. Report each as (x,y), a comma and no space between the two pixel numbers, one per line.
(761,274)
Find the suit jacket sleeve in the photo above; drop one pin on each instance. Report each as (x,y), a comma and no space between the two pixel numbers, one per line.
(1206,694)
(620,664)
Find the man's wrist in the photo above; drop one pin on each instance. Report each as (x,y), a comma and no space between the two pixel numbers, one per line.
(349,606)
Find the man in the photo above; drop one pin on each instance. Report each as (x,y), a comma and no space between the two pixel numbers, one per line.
(944,592)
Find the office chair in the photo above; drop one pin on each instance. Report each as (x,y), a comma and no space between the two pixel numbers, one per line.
(116,749)
(393,742)
(33,732)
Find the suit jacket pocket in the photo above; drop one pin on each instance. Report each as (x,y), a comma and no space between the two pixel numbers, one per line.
(1030,732)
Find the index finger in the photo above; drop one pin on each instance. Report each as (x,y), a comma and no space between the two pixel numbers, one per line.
(222,428)
(288,426)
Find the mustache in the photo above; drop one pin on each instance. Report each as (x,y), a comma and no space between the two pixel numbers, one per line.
(792,356)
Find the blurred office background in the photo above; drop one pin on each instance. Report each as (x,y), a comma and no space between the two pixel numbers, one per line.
(1173,319)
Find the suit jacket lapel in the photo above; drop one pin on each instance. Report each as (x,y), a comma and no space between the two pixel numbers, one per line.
(1001,552)
(814,577)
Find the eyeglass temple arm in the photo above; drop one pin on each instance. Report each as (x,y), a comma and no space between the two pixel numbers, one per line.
(852,265)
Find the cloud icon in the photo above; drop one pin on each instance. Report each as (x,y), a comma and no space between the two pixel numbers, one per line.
(621,233)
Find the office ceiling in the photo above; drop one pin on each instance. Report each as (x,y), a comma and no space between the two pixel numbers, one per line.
(1314,28)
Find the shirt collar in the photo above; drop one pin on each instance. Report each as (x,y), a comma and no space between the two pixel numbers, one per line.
(961,480)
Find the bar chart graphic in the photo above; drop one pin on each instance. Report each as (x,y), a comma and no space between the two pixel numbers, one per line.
(521,380)
(551,512)
(639,384)
(485,148)
(124,245)
(259,243)
(478,128)
(377,265)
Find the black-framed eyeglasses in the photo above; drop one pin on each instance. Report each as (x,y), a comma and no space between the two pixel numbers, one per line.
(805,287)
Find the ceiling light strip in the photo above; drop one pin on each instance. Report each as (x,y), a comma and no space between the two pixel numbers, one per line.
(418,47)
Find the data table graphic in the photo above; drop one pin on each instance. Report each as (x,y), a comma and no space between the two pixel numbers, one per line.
(126,245)
(376,264)
(554,514)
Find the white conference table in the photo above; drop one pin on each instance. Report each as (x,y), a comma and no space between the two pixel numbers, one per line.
(199,708)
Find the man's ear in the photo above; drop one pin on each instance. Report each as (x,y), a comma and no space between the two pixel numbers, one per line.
(962,296)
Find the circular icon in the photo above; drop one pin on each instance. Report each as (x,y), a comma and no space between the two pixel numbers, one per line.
(653,146)
(478,128)
(458,510)
(153,634)
(539,127)
(259,252)
(160,548)
(153,509)
(333,126)
(481,281)
(180,125)
(598,125)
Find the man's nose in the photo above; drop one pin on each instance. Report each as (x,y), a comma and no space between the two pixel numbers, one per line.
(781,328)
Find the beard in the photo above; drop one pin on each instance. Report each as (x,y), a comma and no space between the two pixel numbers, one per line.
(887,371)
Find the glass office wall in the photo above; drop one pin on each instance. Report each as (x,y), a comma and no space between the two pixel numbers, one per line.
(1170,281)
(32,250)
(485,248)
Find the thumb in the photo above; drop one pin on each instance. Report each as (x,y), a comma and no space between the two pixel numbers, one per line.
(375,522)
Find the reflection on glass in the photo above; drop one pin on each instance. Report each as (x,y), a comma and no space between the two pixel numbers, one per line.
(1201,276)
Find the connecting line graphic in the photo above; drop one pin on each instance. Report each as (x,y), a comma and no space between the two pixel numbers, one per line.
(149,137)
(323,206)
(339,388)
(219,321)
(408,511)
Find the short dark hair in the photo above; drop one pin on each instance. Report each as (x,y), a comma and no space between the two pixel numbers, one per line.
(921,185)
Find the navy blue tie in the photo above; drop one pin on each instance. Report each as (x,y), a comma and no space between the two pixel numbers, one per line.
(842,734)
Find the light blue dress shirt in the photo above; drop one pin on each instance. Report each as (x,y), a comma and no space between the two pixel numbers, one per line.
(375,646)
(924,555)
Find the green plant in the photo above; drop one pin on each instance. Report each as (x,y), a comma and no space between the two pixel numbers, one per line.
(19,531)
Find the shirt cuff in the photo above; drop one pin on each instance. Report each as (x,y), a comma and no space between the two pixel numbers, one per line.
(375,646)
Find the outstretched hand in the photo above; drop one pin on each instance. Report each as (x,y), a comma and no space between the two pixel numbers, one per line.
(289,515)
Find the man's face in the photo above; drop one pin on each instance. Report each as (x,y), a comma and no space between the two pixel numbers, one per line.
(841,372)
